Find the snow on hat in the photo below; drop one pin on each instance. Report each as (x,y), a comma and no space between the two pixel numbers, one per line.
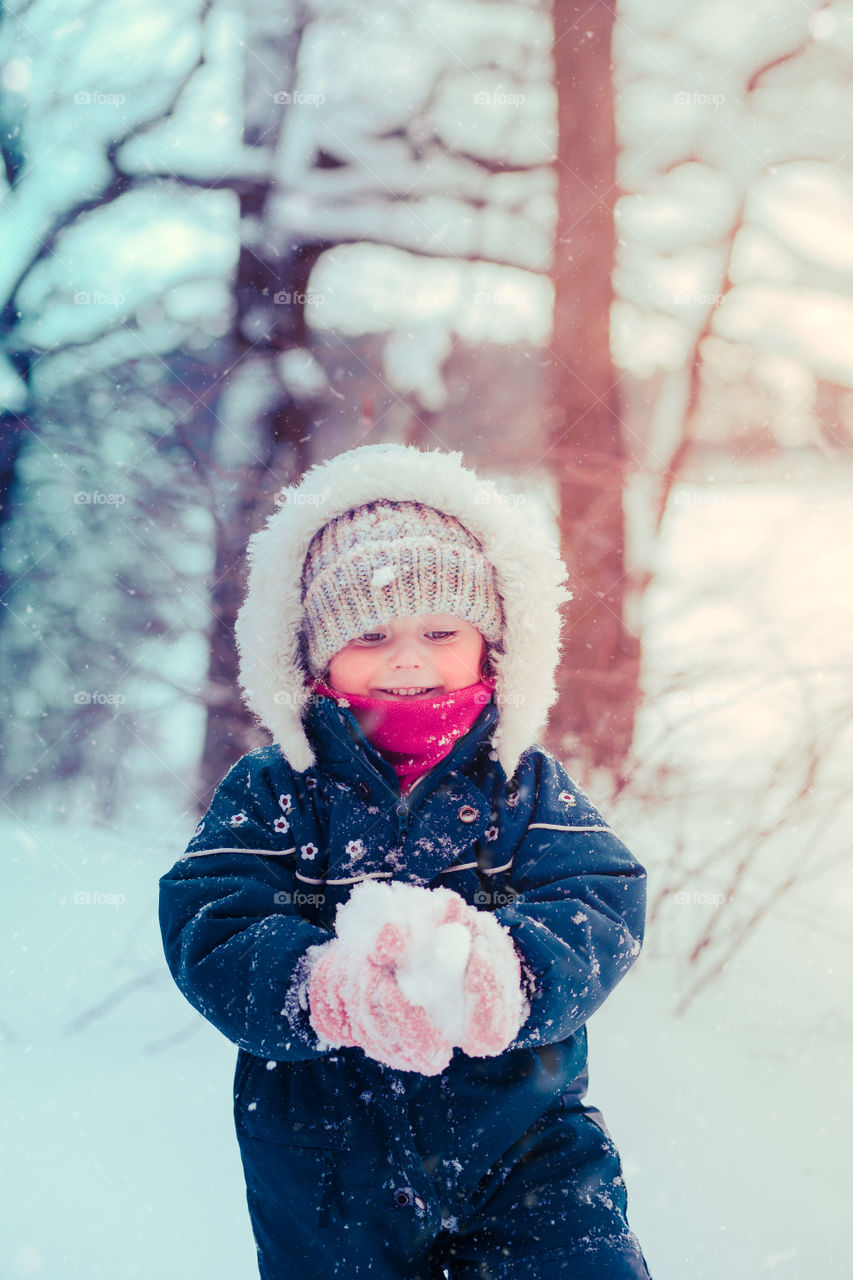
(388,560)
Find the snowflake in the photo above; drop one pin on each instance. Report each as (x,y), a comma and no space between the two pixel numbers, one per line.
(281,825)
(198,830)
(285,803)
(356,849)
(309,850)
(237,819)
(567,797)
(491,833)
(384,575)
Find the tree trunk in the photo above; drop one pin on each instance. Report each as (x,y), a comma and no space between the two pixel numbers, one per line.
(598,678)
(277,456)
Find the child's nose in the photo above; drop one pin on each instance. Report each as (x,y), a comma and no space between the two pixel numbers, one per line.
(405,653)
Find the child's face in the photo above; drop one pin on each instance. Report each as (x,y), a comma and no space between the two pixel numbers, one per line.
(427,652)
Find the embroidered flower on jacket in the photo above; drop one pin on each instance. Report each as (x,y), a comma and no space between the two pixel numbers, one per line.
(512,799)
(309,850)
(356,849)
(198,830)
(281,824)
(310,781)
(237,819)
(491,833)
(567,797)
(285,803)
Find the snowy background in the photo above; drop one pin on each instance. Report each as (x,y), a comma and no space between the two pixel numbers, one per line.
(731,1117)
(723,1063)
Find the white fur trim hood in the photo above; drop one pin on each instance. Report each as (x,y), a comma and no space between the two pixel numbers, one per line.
(530,579)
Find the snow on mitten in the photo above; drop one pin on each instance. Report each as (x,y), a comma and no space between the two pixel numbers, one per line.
(390,1028)
(353,994)
(493,1008)
(414,972)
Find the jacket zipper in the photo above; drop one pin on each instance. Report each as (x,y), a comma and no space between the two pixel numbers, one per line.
(402,807)
(404,818)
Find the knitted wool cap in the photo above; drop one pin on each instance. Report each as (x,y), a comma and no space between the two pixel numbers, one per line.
(386,560)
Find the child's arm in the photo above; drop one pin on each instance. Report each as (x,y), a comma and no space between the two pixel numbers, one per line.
(579,919)
(231,934)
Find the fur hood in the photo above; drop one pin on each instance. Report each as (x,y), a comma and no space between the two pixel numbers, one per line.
(530,579)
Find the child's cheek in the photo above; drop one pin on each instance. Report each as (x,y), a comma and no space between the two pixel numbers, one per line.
(349,669)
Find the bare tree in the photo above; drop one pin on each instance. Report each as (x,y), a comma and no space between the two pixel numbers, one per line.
(598,675)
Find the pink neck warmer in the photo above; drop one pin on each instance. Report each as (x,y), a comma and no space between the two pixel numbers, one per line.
(414,734)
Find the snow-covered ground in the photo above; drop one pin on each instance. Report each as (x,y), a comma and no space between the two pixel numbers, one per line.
(731,1118)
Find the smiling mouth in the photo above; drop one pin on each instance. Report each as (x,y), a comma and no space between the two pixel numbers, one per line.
(410,692)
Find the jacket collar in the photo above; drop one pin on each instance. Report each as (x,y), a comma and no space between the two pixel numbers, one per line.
(342,750)
(427,820)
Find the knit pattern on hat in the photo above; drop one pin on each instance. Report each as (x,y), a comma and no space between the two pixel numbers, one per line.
(387,560)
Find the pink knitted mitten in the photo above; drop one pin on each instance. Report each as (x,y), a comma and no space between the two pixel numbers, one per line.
(355,1000)
(495,1009)
(412,973)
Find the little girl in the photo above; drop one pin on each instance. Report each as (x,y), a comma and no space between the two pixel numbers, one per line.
(404,911)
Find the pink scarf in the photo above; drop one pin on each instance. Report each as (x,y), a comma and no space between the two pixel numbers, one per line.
(413,734)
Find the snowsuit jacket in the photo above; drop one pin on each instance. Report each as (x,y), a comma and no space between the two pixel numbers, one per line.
(294,826)
(278,850)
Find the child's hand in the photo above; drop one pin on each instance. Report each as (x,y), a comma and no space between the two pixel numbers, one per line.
(327,1008)
(414,972)
(392,1029)
(356,1000)
(494,1007)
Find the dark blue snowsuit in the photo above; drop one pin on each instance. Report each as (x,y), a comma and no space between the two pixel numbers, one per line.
(495,1167)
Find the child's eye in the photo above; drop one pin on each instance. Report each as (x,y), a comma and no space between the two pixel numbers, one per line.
(441,633)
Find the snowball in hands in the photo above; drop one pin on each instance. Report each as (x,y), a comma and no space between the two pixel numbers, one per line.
(412,973)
